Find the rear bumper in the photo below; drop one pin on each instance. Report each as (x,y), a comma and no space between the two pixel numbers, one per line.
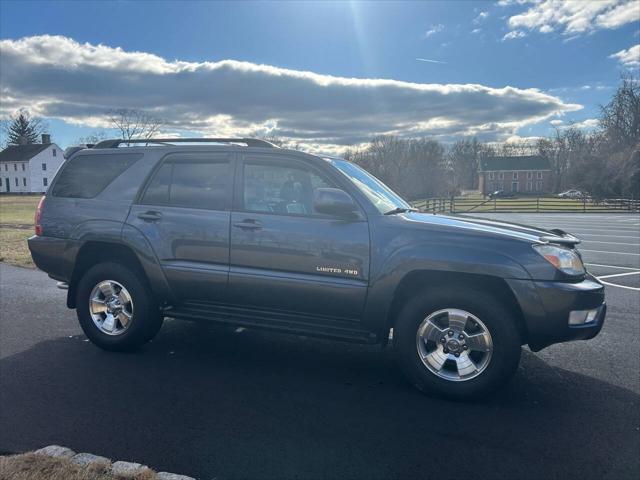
(546,307)
(49,254)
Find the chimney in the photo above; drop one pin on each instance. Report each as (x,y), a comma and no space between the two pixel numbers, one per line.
(46,139)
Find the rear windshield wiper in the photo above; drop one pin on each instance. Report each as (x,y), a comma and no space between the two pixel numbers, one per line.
(400,210)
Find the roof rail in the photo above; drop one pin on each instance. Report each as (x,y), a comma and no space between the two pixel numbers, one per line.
(249,142)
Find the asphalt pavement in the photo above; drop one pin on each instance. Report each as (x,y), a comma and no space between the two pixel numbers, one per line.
(220,403)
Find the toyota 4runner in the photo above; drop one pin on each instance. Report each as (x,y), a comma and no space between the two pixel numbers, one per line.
(241,232)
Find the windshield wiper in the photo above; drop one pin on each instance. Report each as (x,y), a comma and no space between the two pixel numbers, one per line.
(400,210)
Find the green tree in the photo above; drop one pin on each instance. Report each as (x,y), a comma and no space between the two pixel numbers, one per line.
(23,129)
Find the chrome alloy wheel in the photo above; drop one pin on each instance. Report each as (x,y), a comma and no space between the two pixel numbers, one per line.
(454,344)
(111,307)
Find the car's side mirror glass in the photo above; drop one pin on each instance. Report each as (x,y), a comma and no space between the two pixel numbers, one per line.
(333,201)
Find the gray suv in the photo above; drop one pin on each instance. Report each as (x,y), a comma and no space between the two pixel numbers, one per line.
(241,232)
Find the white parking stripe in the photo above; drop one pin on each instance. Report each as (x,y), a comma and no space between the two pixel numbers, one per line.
(610,266)
(611,243)
(621,286)
(618,275)
(617,253)
(608,236)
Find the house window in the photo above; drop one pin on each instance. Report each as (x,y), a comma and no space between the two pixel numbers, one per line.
(515,175)
(44,167)
(15,167)
(491,175)
(501,175)
(6,167)
(16,181)
(538,186)
(529,174)
(45,182)
(539,175)
(54,152)
(23,167)
(24,182)
(529,186)
(514,186)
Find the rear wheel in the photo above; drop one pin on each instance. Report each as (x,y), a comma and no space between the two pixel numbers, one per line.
(461,345)
(115,308)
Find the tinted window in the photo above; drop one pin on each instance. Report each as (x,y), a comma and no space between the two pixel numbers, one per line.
(158,190)
(198,184)
(280,189)
(85,176)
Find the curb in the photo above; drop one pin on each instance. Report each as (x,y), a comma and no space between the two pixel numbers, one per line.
(123,469)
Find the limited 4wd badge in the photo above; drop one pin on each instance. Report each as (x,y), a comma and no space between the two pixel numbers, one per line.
(345,271)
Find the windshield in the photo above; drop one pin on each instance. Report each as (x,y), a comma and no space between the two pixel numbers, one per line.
(381,196)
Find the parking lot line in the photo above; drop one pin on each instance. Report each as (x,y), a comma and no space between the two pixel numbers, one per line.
(636,289)
(617,253)
(619,275)
(610,266)
(612,243)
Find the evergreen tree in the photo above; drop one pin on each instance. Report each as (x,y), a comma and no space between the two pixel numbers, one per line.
(23,129)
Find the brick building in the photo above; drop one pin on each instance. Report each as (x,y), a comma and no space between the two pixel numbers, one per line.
(523,174)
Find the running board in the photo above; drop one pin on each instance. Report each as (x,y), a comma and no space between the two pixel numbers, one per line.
(278,321)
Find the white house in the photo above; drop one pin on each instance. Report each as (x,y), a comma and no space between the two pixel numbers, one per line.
(29,168)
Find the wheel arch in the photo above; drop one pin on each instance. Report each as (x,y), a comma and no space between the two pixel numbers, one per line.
(93,252)
(417,281)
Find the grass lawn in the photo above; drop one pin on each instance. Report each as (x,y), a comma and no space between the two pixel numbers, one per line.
(16,225)
(30,466)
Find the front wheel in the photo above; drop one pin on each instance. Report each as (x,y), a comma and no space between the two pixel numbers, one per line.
(115,308)
(460,346)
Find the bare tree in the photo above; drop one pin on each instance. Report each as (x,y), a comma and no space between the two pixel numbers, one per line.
(92,138)
(135,124)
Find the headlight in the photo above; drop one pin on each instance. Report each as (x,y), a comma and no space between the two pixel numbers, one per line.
(564,259)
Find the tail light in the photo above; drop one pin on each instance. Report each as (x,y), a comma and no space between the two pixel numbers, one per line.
(38,215)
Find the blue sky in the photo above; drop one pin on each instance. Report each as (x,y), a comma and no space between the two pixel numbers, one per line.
(565,55)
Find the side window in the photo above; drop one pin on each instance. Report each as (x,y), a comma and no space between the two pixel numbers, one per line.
(197,184)
(85,176)
(44,167)
(281,189)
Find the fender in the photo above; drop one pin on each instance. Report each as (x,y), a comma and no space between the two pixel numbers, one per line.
(117,233)
(434,256)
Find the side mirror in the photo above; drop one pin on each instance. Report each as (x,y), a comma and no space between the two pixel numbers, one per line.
(333,201)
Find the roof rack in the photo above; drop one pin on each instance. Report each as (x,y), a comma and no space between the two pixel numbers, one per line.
(249,142)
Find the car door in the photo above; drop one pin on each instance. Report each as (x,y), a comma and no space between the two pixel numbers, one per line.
(184,212)
(286,256)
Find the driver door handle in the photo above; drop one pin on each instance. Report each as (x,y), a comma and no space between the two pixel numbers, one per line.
(248,224)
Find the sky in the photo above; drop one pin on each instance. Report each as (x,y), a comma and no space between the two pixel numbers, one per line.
(325,74)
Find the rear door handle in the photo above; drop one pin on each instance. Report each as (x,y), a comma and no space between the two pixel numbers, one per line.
(248,224)
(150,216)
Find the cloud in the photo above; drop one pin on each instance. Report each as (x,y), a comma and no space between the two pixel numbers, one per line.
(629,58)
(428,60)
(513,35)
(556,122)
(476,30)
(433,30)
(575,17)
(481,16)
(57,77)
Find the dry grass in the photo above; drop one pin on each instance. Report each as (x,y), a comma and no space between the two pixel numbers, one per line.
(16,225)
(29,466)
(13,247)
(18,209)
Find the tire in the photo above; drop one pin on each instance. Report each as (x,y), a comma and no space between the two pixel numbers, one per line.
(144,319)
(487,314)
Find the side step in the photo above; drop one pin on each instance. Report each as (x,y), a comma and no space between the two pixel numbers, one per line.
(285,322)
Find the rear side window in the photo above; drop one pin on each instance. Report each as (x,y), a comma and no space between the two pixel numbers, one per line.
(85,176)
(191,184)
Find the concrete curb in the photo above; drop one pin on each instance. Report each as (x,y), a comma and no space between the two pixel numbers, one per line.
(123,469)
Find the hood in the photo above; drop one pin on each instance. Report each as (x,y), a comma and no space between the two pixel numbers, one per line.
(495,227)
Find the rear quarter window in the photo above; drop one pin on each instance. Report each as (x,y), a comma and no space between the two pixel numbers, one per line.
(85,176)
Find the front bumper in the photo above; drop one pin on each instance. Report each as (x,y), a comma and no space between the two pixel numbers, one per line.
(546,307)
